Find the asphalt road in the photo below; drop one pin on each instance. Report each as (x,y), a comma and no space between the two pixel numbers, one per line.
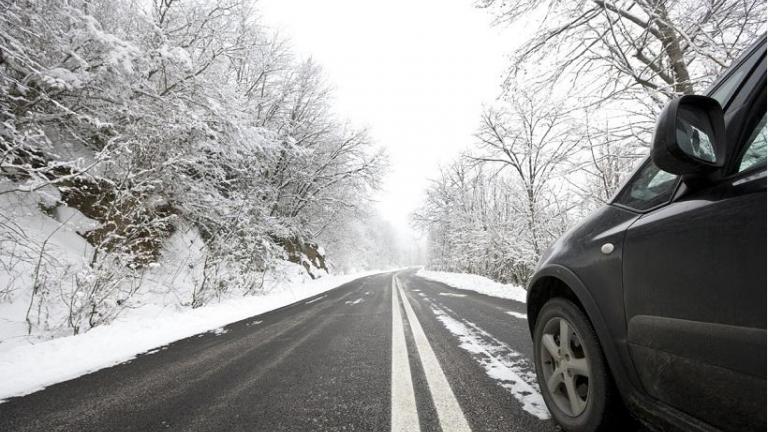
(385,352)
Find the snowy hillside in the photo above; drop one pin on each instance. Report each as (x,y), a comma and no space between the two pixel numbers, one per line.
(49,288)
(170,156)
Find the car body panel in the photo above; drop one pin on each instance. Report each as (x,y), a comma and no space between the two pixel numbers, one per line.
(577,260)
(694,279)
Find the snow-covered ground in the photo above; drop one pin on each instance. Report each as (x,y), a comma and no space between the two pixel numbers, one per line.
(28,368)
(476,283)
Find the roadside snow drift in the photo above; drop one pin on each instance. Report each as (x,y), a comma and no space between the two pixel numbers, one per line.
(476,283)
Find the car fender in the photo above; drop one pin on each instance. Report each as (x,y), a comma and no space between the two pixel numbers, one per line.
(611,349)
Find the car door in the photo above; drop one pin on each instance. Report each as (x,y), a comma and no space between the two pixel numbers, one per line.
(694,278)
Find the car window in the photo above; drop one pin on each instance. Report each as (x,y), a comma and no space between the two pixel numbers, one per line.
(650,187)
(727,88)
(754,154)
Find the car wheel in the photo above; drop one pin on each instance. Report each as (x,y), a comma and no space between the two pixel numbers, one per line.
(574,378)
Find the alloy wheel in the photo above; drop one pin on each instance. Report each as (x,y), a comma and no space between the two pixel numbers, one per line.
(565,366)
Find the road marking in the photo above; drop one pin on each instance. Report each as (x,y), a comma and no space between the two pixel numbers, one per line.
(517,314)
(452,294)
(315,299)
(353,302)
(405,416)
(448,410)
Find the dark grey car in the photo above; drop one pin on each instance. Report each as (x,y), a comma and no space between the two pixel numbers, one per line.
(656,305)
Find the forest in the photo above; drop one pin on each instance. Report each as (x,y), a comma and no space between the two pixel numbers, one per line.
(177,148)
(575,116)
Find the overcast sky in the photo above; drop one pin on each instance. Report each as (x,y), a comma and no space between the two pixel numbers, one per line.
(416,73)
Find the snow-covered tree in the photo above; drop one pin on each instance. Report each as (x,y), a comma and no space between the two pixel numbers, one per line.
(160,118)
(576,113)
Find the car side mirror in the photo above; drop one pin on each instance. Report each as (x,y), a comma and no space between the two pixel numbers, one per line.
(690,136)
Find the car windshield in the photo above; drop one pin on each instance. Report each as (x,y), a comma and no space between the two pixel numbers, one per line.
(724,90)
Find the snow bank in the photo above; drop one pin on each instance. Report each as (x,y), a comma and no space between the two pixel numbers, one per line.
(480,284)
(29,368)
(24,231)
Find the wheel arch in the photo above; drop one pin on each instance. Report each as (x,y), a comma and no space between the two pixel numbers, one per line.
(544,289)
(558,281)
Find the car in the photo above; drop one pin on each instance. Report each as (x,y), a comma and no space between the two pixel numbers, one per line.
(652,311)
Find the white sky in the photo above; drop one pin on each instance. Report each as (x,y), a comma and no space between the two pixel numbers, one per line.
(415,72)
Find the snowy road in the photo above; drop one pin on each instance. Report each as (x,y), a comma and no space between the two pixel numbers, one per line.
(380,353)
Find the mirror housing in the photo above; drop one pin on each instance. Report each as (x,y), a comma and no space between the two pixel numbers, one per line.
(690,136)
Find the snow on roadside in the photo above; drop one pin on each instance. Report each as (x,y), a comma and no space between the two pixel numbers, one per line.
(28,368)
(480,284)
(501,363)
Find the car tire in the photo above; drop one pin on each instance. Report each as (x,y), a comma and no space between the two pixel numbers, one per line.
(580,399)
